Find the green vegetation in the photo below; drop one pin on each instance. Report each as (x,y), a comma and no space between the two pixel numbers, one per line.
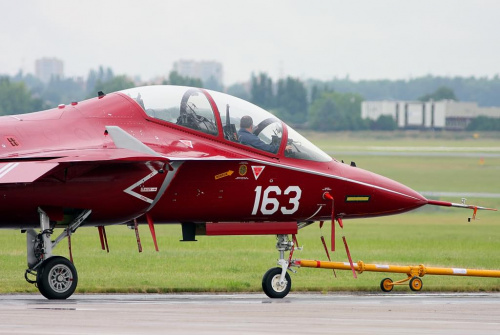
(337,111)
(336,105)
(326,110)
(442,93)
(15,98)
(325,106)
(26,93)
(384,122)
(175,78)
(114,84)
(291,101)
(234,264)
(405,140)
(484,123)
(433,236)
(482,90)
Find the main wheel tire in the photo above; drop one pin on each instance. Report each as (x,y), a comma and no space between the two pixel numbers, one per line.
(271,285)
(386,285)
(416,284)
(56,278)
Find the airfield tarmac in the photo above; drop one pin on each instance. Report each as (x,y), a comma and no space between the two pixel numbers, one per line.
(252,314)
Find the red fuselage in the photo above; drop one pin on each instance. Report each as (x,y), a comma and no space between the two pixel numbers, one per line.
(197,177)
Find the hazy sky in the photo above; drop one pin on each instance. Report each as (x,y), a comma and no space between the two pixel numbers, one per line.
(306,39)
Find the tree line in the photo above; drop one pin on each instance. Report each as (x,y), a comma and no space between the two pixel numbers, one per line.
(22,93)
(482,90)
(319,105)
(336,105)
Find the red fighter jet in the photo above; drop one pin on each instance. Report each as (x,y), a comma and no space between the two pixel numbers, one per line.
(171,154)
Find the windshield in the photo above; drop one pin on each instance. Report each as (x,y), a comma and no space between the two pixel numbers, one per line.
(301,148)
(266,126)
(242,121)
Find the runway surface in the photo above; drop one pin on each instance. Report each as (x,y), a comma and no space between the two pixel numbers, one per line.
(252,314)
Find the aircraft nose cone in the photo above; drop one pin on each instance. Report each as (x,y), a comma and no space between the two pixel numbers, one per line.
(396,197)
(371,194)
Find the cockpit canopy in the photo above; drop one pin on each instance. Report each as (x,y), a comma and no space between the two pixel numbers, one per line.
(202,110)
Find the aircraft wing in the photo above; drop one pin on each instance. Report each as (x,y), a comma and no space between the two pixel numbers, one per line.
(106,155)
(124,140)
(23,172)
(29,168)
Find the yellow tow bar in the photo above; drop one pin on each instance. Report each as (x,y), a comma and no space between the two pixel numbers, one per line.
(413,272)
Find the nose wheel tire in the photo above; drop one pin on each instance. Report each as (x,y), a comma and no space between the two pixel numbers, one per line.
(56,278)
(416,284)
(272,286)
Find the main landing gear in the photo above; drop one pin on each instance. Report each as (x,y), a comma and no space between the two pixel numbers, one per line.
(276,282)
(56,276)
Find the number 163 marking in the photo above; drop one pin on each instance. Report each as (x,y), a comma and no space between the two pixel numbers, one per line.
(270,205)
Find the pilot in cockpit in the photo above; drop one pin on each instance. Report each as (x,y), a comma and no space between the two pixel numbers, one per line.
(247,137)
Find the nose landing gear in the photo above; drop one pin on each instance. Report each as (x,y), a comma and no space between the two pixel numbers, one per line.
(276,282)
(273,286)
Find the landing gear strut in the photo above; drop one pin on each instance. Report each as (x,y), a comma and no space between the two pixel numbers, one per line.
(56,276)
(276,282)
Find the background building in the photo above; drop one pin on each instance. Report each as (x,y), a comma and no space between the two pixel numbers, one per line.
(444,114)
(46,68)
(210,72)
